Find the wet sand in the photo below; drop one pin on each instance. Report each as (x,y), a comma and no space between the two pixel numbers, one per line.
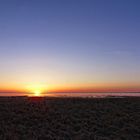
(23,118)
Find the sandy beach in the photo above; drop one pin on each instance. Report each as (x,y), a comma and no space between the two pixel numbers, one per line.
(69,118)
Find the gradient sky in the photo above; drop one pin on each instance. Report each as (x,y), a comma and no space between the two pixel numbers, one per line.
(66,44)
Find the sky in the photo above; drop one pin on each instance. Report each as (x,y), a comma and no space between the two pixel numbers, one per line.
(70,45)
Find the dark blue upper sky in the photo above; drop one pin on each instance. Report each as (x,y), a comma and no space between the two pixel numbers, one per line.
(70,41)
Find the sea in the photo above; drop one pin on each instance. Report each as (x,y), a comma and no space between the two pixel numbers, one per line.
(100,95)
(84,95)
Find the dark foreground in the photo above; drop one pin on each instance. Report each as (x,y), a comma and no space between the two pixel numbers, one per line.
(23,118)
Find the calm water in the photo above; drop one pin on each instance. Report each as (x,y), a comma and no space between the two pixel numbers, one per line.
(94,94)
(76,94)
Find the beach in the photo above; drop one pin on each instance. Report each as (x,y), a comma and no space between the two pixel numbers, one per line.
(65,118)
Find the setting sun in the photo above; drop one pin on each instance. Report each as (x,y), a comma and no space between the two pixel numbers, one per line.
(37,93)
(36,89)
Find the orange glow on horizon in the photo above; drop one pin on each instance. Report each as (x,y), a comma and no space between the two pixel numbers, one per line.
(43,90)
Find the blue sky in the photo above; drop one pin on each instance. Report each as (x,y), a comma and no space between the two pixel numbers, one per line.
(69,42)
